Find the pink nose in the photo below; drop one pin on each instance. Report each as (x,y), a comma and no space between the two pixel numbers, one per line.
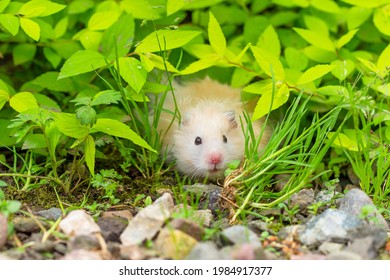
(215,158)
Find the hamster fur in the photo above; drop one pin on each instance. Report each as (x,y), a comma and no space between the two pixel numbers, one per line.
(210,133)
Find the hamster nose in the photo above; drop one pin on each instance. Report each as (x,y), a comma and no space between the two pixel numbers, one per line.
(215,158)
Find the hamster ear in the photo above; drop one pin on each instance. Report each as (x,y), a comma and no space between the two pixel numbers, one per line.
(231,115)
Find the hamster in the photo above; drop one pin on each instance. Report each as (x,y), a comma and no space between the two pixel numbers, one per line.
(209,135)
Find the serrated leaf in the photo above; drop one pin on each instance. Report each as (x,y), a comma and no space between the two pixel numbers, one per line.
(106,97)
(31,28)
(216,37)
(102,20)
(174,5)
(86,115)
(89,151)
(40,8)
(267,99)
(166,39)
(346,38)
(316,39)
(382,19)
(269,41)
(119,129)
(70,125)
(314,73)
(268,61)
(82,61)
(23,101)
(384,61)
(342,69)
(133,72)
(10,22)
(4,97)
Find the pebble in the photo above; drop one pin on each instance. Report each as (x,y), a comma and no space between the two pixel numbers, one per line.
(78,222)
(239,235)
(174,244)
(331,225)
(112,227)
(205,251)
(126,214)
(26,225)
(355,200)
(188,226)
(330,248)
(148,221)
(204,217)
(3,230)
(85,242)
(210,194)
(303,199)
(52,214)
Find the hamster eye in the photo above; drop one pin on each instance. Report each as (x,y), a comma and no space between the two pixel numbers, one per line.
(198,140)
(224,139)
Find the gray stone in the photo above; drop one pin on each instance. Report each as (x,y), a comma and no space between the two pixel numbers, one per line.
(112,227)
(210,195)
(343,255)
(26,225)
(332,225)
(330,248)
(189,227)
(78,222)
(201,189)
(291,231)
(303,199)
(47,246)
(204,217)
(355,200)
(281,181)
(52,214)
(85,242)
(239,234)
(205,251)
(148,221)
(247,252)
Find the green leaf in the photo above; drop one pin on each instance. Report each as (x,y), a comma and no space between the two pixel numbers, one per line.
(80,6)
(202,64)
(50,81)
(342,69)
(316,39)
(53,135)
(34,141)
(158,62)
(268,61)
(4,97)
(119,129)
(319,55)
(384,61)
(40,8)
(23,101)
(364,3)
(371,66)
(269,41)
(316,24)
(174,5)
(82,61)
(295,59)
(119,35)
(4,4)
(328,6)
(346,38)
(86,115)
(343,141)
(264,103)
(357,16)
(106,97)
(23,53)
(89,39)
(141,9)
(133,72)
(70,125)
(166,39)
(382,19)
(89,151)
(13,206)
(52,57)
(10,22)
(314,73)
(31,28)
(102,20)
(60,27)
(216,37)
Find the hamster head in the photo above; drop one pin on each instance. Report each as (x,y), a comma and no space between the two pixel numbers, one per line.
(206,140)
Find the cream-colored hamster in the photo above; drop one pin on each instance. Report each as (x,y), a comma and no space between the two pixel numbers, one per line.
(210,133)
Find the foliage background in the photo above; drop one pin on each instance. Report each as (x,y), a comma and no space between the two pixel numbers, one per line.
(75,74)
